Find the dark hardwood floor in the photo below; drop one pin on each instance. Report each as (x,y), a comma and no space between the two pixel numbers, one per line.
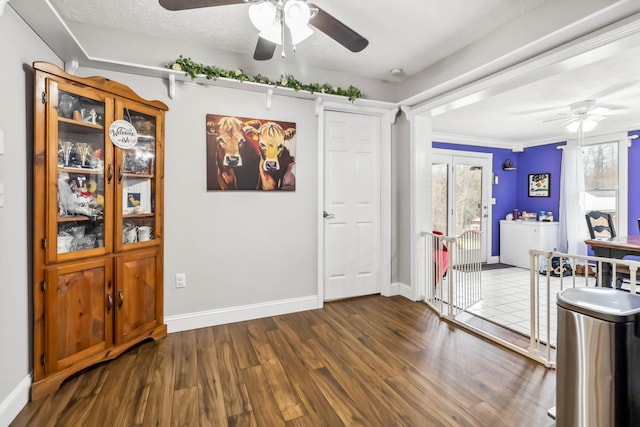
(369,361)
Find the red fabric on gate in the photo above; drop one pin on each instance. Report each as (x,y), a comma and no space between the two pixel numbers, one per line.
(440,260)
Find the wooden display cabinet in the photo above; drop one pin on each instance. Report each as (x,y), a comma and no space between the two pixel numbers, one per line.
(98,224)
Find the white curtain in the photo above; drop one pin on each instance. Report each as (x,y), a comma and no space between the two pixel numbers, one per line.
(573,226)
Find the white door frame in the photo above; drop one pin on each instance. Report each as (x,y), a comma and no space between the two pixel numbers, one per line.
(386,112)
(487,162)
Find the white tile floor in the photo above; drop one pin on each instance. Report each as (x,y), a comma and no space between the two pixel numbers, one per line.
(506,300)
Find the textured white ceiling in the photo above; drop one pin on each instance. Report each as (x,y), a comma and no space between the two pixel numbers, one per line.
(407,34)
(419,36)
(522,114)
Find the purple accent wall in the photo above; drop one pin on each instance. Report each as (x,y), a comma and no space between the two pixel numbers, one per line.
(512,190)
(504,192)
(541,159)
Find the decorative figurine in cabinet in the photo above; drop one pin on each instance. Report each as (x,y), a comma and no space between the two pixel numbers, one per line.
(98,223)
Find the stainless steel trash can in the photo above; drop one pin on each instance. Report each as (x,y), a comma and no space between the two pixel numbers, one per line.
(598,358)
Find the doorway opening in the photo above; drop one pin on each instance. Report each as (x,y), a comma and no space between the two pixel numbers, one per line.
(461,195)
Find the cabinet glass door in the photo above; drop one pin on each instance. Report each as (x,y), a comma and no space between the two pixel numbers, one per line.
(137,178)
(77,164)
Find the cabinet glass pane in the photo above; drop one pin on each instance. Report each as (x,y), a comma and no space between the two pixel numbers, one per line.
(80,173)
(138,181)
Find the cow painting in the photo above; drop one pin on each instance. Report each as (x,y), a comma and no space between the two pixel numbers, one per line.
(277,164)
(232,159)
(250,154)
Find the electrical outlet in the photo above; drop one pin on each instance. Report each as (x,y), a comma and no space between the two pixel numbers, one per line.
(181,280)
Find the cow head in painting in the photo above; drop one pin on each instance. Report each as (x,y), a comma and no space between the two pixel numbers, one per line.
(233,157)
(271,139)
(228,134)
(276,162)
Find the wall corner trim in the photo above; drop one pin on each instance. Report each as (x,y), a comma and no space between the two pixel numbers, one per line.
(403,290)
(203,319)
(17,399)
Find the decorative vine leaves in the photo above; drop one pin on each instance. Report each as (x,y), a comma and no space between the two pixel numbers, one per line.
(194,69)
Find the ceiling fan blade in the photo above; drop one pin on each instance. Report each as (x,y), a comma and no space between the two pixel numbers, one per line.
(615,112)
(609,110)
(264,50)
(562,117)
(338,31)
(175,5)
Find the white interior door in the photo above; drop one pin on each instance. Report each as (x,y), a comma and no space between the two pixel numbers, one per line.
(461,194)
(352,205)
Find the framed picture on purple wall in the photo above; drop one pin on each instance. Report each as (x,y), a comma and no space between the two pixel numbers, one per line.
(539,185)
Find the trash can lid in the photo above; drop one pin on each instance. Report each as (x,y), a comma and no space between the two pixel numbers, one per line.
(602,303)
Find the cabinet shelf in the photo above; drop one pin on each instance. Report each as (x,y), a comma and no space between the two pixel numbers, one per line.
(77,218)
(86,171)
(78,126)
(138,175)
(138,215)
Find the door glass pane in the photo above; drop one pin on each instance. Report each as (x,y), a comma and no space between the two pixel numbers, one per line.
(600,165)
(138,181)
(80,189)
(440,196)
(468,198)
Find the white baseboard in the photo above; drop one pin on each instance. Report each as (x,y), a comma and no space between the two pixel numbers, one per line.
(13,404)
(493,259)
(403,290)
(203,319)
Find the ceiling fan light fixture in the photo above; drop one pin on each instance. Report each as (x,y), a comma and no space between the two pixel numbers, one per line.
(296,16)
(588,125)
(573,126)
(299,33)
(263,15)
(296,12)
(272,34)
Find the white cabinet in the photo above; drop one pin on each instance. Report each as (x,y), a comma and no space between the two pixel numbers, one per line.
(517,237)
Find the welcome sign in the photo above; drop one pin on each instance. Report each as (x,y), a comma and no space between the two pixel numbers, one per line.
(123,134)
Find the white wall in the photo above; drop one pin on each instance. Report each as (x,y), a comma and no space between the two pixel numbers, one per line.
(401,203)
(236,248)
(239,250)
(20,47)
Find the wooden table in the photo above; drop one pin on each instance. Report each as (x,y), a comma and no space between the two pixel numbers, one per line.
(613,247)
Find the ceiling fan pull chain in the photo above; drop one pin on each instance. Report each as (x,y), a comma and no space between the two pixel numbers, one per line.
(282,31)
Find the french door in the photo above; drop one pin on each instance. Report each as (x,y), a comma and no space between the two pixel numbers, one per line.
(461,194)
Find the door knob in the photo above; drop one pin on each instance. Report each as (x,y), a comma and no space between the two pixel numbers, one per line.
(326,214)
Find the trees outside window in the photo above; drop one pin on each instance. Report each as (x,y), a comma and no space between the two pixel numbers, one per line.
(600,164)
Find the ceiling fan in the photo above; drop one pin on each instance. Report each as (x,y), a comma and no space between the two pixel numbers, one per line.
(586,115)
(271,17)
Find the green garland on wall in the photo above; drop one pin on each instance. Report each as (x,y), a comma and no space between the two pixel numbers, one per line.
(195,69)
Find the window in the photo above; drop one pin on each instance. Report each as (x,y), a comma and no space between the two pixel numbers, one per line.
(601,178)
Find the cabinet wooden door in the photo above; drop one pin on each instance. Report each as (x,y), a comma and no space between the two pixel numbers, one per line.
(138,221)
(138,309)
(80,172)
(78,312)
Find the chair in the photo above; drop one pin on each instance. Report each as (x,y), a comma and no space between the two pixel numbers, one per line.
(601,224)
